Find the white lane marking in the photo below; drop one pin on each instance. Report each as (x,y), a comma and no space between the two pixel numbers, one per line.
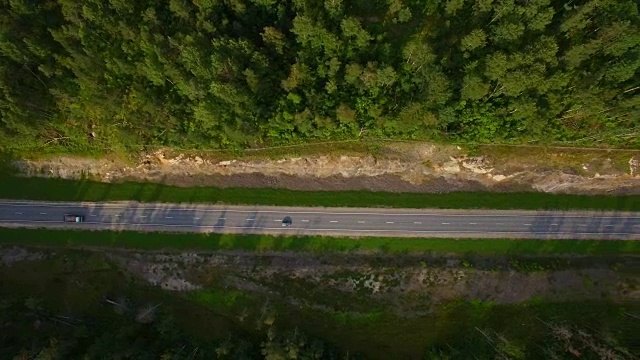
(221,218)
(553,224)
(45,221)
(499,223)
(333,221)
(527,224)
(43,213)
(144,216)
(250,219)
(361,222)
(389,222)
(103,205)
(417,222)
(473,223)
(608,226)
(306,229)
(18,213)
(445,223)
(305,220)
(196,218)
(93,215)
(633,225)
(117,215)
(277,220)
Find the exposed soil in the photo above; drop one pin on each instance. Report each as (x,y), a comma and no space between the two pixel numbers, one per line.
(412,283)
(394,167)
(11,255)
(409,286)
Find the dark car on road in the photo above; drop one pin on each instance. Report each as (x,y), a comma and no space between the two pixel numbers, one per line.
(287,221)
(73,218)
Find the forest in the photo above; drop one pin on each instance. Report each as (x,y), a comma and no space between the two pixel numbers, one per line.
(128,330)
(211,74)
(93,300)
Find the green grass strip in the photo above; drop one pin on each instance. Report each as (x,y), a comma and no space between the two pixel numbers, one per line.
(190,241)
(61,190)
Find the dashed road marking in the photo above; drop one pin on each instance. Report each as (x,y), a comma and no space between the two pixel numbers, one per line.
(221,218)
(117,215)
(589,234)
(527,224)
(361,222)
(18,213)
(473,223)
(43,213)
(417,222)
(608,226)
(93,215)
(277,220)
(553,224)
(239,210)
(333,221)
(446,223)
(305,220)
(144,216)
(168,217)
(196,218)
(389,222)
(250,219)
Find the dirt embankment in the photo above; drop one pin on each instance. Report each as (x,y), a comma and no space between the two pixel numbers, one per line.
(395,167)
(409,286)
(429,279)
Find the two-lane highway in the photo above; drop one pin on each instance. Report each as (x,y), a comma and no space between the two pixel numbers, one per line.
(325,221)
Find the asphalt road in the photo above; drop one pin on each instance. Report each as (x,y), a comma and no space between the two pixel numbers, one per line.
(325,221)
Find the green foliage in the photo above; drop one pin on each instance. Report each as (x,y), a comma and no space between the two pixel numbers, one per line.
(352,30)
(219,74)
(476,39)
(474,88)
(79,334)
(74,303)
(85,190)
(36,330)
(316,244)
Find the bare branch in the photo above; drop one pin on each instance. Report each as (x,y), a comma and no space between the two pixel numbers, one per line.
(36,76)
(635,88)
(633,316)
(56,139)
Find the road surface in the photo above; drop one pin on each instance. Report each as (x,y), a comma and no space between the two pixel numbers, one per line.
(325,221)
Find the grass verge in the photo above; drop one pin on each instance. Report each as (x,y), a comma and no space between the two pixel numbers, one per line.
(85,190)
(181,241)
